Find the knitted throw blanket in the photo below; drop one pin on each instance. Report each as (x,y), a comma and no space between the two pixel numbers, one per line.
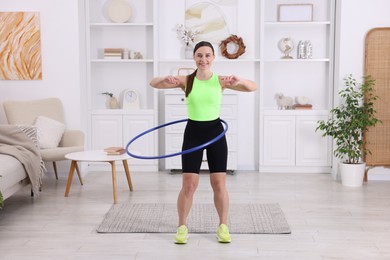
(21,142)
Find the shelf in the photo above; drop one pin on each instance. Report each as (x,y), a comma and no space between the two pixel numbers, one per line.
(297,23)
(121,24)
(296,60)
(290,112)
(216,60)
(114,127)
(122,111)
(122,61)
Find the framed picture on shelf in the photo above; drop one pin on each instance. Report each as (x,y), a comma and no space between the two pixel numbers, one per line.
(295,12)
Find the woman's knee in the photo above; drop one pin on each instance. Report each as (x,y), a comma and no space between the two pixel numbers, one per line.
(190,183)
(218,182)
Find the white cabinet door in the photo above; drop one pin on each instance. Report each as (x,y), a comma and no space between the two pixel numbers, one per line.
(279,141)
(312,148)
(106,131)
(134,125)
(175,109)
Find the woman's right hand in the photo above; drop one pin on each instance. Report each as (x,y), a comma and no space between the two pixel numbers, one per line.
(172,80)
(165,82)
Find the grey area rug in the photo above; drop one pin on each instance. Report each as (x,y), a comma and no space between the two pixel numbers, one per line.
(203,218)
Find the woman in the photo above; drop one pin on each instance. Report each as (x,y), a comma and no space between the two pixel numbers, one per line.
(203,90)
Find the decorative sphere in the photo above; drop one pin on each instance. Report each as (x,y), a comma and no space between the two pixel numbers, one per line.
(286,45)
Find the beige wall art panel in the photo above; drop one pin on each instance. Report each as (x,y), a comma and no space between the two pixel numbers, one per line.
(20,46)
(210,19)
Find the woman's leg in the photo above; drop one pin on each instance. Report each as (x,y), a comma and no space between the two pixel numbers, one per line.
(184,201)
(221,197)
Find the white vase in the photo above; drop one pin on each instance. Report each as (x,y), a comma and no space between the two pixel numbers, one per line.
(352,174)
(188,52)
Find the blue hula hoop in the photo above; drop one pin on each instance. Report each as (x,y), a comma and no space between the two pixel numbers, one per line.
(193,149)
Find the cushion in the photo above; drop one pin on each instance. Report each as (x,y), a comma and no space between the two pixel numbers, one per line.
(50,132)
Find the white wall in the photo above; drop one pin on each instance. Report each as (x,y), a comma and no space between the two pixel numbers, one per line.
(355,18)
(60,41)
(63,67)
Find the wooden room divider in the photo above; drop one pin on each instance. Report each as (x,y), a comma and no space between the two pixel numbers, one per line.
(377,65)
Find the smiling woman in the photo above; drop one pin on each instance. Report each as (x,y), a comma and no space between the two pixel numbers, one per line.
(203,94)
(20,51)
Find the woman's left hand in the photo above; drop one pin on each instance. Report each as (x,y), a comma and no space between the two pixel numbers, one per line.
(237,83)
(231,81)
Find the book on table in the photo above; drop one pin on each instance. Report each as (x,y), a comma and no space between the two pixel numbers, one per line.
(113,150)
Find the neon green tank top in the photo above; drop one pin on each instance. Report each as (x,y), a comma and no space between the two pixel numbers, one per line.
(204,100)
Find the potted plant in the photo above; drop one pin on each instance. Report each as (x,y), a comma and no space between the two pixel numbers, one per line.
(188,38)
(112,102)
(346,126)
(1,200)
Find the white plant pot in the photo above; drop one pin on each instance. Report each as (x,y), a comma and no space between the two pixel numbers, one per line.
(352,174)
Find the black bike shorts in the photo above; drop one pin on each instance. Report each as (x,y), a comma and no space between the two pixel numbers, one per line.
(197,133)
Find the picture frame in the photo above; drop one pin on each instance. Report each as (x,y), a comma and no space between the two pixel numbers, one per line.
(20,49)
(295,12)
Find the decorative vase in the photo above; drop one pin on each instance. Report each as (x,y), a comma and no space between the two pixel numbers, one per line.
(113,103)
(188,52)
(352,174)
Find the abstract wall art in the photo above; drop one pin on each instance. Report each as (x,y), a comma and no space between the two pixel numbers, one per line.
(20,46)
(210,19)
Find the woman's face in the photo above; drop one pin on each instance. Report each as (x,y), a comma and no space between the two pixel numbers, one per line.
(204,57)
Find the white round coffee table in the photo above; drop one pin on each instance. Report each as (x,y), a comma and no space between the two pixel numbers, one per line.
(98,156)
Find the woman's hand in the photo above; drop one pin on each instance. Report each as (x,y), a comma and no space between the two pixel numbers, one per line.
(231,80)
(166,82)
(237,83)
(172,80)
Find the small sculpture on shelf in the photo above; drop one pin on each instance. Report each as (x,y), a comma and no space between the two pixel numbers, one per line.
(305,50)
(126,54)
(302,102)
(286,45)
(112,101)
(138,55)
(283,102)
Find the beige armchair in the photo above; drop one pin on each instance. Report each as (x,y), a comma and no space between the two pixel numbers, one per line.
(26,112)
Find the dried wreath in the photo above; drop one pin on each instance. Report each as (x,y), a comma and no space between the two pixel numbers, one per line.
(236,40)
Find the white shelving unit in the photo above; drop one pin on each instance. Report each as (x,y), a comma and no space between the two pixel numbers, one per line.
(116,127)
(234,104)
(288,140)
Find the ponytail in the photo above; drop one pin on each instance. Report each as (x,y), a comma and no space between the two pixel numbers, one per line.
(190,82)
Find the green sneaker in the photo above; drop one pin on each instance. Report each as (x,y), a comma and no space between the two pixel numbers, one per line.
(223,234)
(181,235)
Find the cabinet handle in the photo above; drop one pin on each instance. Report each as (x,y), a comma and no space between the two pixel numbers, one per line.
(182,99)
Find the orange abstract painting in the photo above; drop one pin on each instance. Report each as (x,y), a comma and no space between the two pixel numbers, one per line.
(20,46)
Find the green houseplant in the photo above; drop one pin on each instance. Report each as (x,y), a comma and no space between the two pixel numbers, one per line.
(348,122)
(1,200)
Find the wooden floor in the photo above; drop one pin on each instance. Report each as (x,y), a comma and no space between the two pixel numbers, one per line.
(328,221)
